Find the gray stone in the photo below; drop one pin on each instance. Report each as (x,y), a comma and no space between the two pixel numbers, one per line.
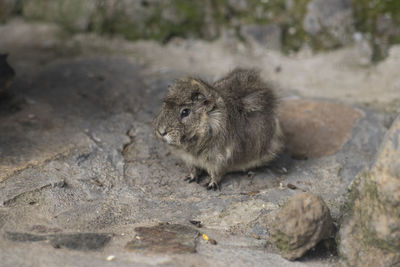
(316,129)
(115,176)
(239,5)
(304,221)
(74,241)
(370,234)
(25,237)
(385,25)
(332,17)
(80,241)
(171,14)
(268,36)
(49,112)
(165,238)
(364,52)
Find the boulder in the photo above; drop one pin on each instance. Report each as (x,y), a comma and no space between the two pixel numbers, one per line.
(301,224)
(370,232)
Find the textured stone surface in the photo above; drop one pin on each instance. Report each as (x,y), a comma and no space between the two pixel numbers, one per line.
(269,36)
(316,129)
(370,234)
(42,126)
(74,241)
(117,177)
(165,238)
(302,222)
(319,24)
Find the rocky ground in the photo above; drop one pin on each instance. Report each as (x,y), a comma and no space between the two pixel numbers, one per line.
(84,182)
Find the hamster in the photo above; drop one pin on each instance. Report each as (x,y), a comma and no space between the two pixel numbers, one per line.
(230,125)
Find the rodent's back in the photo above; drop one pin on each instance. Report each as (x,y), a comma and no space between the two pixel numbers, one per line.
(252,121)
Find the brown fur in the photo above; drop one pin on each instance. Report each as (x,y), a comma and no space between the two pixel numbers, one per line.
(232,124)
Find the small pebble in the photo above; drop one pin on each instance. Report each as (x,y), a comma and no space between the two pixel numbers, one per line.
(251,174)
(253,193)
(212,242)
(111,258)
(196,223)
(292,186)
(256,236)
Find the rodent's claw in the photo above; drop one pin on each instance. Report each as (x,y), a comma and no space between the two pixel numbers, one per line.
(191,179)
(214,186)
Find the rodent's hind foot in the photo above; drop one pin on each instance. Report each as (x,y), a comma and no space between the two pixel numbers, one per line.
(213,185)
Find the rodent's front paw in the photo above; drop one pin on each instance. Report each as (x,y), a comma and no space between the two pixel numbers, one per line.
(213,185)
(194,176)
(192,179)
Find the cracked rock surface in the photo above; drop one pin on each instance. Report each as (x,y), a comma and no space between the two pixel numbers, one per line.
(82,178)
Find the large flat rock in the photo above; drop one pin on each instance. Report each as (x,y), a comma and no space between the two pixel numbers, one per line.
(86,161)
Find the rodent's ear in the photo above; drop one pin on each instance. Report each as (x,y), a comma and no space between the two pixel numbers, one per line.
(202,94)
(205,101)
(197,96)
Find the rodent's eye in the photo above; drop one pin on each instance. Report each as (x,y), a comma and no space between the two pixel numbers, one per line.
(185,112)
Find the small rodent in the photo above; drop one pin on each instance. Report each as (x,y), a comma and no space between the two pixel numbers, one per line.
(231,125)
(6,73)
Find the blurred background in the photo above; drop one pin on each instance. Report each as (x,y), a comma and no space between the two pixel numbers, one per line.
(285,25)
(351,44)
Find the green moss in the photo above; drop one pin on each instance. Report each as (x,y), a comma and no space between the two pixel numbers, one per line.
(367,13)
(370,239)
(158,28)
(354,193)
(276,12)
(67,13)
(193,20)
(294,36)
(111,17)
(281,241)
(365,190)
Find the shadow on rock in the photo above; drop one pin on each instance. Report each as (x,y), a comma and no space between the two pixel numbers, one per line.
(165,238)
(74,241)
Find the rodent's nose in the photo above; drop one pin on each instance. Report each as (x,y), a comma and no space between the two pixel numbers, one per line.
(162,131)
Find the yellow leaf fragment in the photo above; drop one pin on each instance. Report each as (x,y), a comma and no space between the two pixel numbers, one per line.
(206,237)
